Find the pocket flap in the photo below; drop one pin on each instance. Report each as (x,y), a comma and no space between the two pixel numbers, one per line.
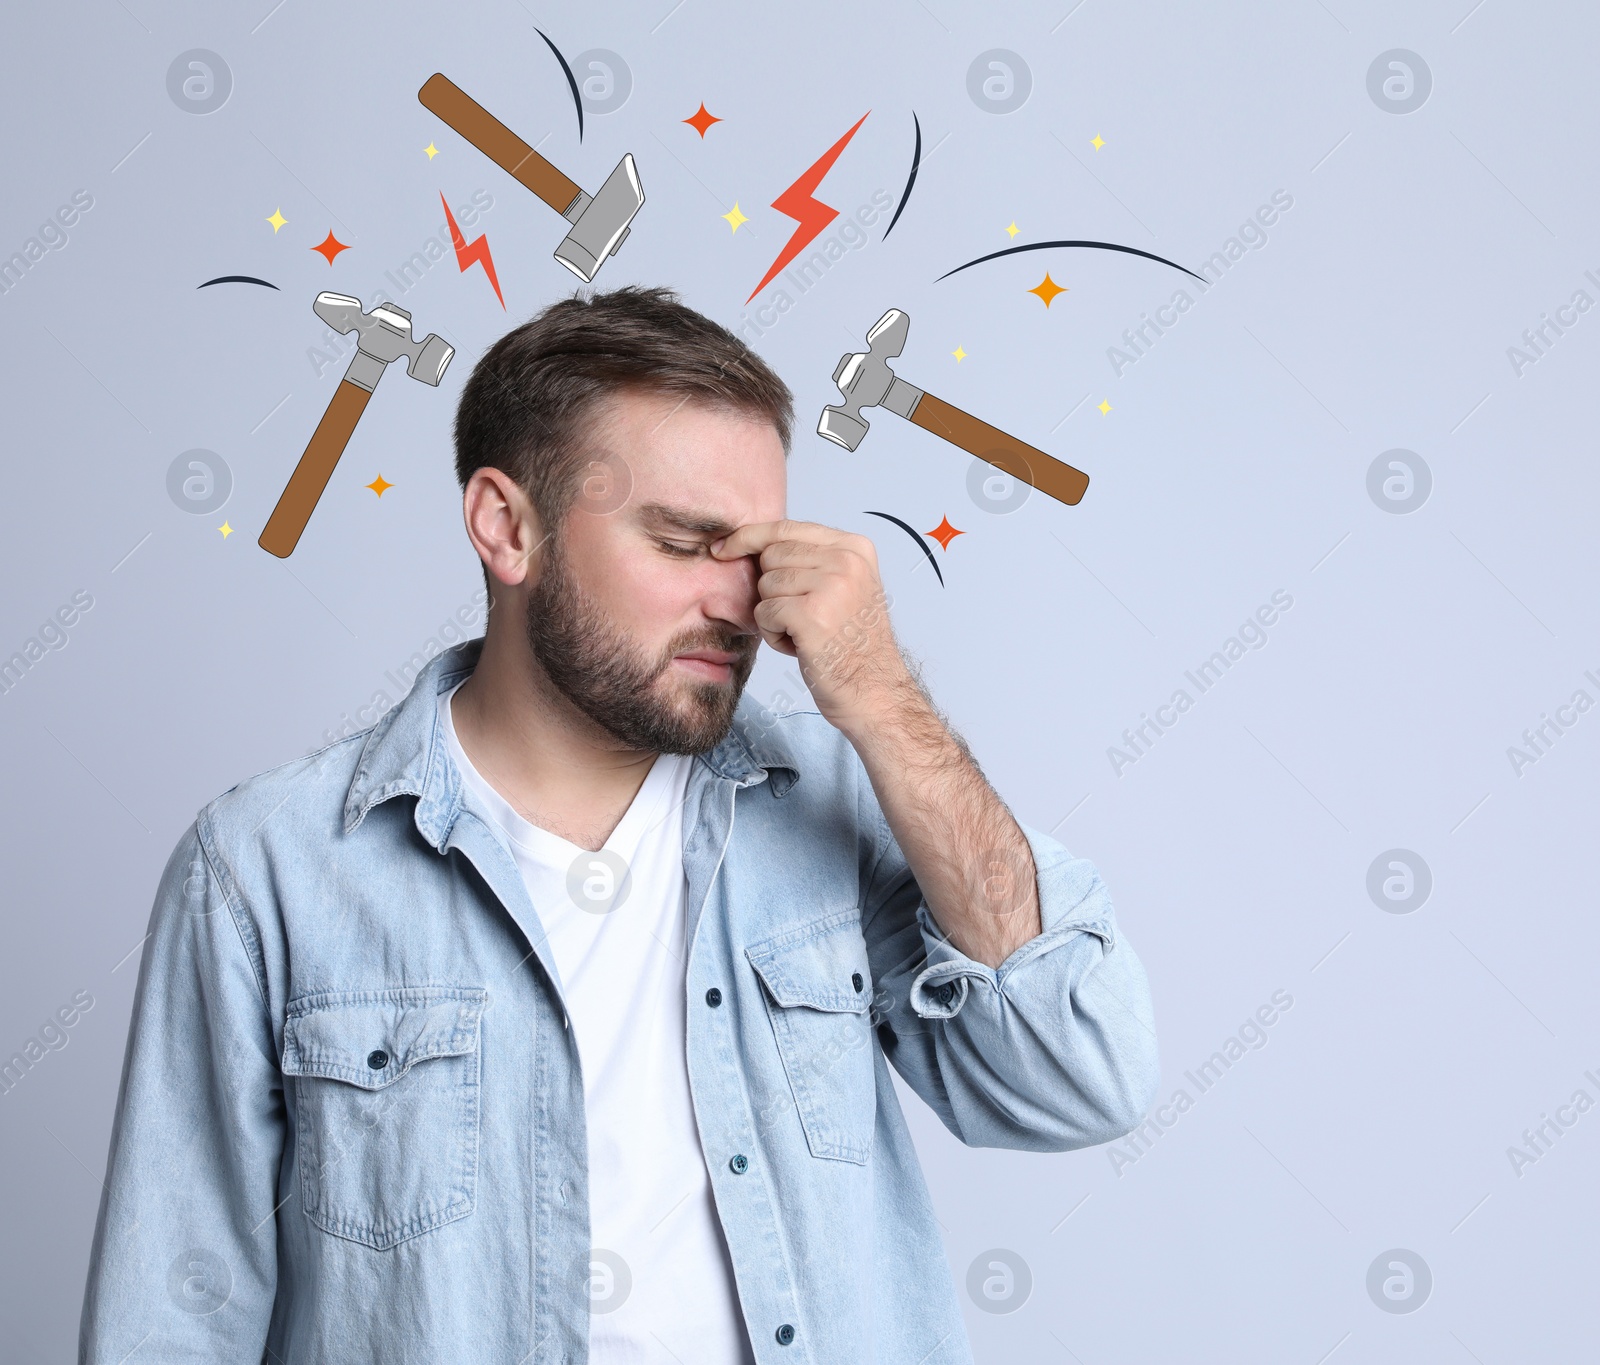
(818,965)
(341,1034)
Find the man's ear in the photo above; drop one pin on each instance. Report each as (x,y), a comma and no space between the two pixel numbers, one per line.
(504,526)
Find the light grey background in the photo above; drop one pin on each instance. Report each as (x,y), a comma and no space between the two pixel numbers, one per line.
(1232,463)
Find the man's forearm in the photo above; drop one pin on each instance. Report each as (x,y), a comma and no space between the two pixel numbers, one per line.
(822,602)
(971,860)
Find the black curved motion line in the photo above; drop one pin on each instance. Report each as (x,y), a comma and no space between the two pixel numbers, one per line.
(922,544)
(1045,246)
(572,83)
(237,279)
(916,161)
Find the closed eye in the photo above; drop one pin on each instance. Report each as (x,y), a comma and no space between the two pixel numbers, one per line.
(681,549)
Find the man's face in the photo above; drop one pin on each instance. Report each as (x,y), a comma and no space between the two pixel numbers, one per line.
(630,616)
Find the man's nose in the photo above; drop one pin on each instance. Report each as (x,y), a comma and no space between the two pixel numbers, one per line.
(732,594)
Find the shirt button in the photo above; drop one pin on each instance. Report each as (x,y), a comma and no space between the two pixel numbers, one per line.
(855,980)
(713,997)
(947,992)
(377,1059)
(740,1164)
(785,1334)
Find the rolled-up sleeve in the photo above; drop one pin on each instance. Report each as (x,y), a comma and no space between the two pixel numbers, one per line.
(184,1260)
(1055,1049)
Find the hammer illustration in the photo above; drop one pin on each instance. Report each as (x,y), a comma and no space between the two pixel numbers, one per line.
(384,334)
(865,380)
(599,224)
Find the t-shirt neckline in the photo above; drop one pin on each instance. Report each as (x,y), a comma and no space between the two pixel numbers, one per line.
(658,785)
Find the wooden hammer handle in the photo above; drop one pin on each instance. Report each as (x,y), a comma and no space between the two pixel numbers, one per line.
(311,475)
(497,142)
(1044,472)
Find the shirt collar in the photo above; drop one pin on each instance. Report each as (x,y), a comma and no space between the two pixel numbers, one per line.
(405,751)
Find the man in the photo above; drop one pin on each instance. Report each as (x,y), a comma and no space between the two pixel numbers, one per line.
(551,1019)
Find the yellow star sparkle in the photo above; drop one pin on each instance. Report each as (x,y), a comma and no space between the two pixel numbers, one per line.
(378,485)
(1013,230)
(1097,142)
(735,218)
(226,530)
(431,150)
(1105,407)
(959,354)
(277,220)
(1047,289)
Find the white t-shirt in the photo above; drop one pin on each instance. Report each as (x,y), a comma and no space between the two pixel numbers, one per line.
(616,923)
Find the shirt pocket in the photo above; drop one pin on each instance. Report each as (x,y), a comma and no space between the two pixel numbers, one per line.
(818,992)
(386,1085)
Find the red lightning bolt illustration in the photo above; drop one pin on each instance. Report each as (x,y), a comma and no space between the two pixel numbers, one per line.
(478,251)
(797,203)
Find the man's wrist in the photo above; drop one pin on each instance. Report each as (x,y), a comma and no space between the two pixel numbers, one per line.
(894,722)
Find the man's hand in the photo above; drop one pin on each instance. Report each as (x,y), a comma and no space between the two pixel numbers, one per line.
(823,603)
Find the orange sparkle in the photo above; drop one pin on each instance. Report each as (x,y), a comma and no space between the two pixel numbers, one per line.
(378,485)
(944,533)
(1047,289)
(701,120)
(330,246)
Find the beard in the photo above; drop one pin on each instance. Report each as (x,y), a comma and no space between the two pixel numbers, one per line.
(617,684)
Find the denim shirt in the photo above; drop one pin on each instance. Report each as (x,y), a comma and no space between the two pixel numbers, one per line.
(350,1126)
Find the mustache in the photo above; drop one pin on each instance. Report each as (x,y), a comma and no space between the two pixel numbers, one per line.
(736,642)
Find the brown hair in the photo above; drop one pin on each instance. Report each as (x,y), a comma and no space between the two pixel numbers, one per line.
(524,408)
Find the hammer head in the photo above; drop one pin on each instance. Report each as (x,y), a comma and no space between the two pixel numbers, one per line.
(600,223)
(384,334)
(864,378)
